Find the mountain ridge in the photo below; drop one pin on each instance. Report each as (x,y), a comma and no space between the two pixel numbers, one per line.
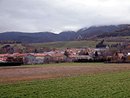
(83,33)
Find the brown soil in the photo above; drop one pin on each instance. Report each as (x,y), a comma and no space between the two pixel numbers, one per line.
(13,74)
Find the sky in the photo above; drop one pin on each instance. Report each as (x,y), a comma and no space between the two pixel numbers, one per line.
(61,15)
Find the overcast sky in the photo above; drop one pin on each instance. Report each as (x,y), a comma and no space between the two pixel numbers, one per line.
(60,15)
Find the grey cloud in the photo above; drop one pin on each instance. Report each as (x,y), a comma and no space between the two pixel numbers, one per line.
(59,15)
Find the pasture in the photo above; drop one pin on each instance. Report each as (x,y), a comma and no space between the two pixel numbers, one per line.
(66,80)
(71,44)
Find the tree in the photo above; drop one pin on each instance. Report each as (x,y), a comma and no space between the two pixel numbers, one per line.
(66,53)
(96,54)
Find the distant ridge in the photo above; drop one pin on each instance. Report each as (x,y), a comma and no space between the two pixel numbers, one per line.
(84,33)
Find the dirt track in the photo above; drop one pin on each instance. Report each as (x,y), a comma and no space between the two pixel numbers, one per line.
(12,74)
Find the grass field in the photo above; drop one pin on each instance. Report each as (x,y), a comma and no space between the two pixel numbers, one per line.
(70,44)
(67,44)
(68,64)
(114,84)
(76,64)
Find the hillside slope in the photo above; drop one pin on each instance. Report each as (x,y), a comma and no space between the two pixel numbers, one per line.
(84,33)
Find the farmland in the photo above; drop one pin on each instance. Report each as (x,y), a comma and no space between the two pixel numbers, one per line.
(71,44)
(74,44)
(66,80)
(66,44)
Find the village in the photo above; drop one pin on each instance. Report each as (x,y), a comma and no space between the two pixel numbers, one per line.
(116,53)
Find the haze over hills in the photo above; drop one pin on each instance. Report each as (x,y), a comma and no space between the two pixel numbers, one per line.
(84,33)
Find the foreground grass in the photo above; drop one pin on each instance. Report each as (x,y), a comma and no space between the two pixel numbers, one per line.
(67,64)
(110,85)
(76,64)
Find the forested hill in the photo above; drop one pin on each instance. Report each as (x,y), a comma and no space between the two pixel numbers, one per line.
(84,33)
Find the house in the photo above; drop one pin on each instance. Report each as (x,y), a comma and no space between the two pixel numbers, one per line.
(3,57)
(39,58)
(71,58)
(58,57)
(85,57)
(79,57)
(48,58)
(118,57)
(12,58)
(128,57)
(35,58)
(29,59)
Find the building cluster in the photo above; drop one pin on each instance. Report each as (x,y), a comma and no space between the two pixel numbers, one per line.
(54,56)
(67,55)
(102,53)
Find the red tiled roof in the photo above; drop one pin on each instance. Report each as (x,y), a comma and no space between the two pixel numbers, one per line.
(3,59)
(40,54)
(19,54)
(4,55)
(57,55)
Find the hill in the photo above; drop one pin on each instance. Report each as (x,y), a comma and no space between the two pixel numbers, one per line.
(84,33)
(123,32)
(28,37)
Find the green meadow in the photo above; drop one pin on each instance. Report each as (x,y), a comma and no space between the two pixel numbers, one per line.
(108,85)
(71,44)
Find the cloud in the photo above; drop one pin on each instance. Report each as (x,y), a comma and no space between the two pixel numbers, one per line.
(60,15)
